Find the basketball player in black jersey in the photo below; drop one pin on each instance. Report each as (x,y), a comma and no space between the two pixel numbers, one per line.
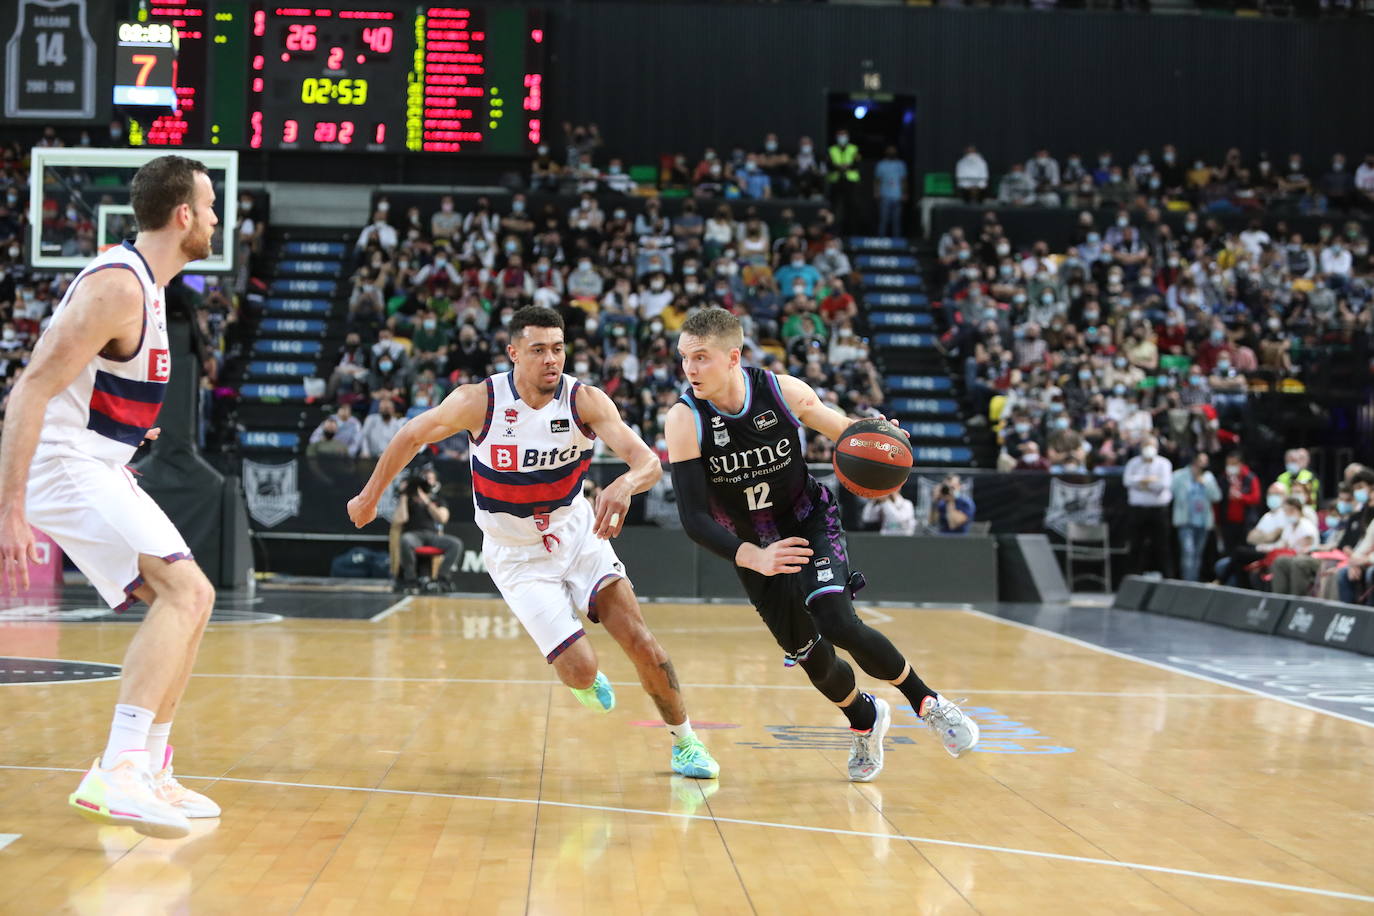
(744,493)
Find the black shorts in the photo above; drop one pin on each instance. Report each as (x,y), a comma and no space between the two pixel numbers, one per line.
(783,600)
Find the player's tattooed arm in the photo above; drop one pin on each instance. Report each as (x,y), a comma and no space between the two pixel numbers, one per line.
(465,408)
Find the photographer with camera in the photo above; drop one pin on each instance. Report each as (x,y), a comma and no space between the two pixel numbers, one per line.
(952,511)
(422,513)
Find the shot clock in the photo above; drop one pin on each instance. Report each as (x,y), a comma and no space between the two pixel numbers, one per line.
(367,76)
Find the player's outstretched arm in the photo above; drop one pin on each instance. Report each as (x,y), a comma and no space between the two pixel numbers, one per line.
(107,306)
(464,409)
(693,501)
(613,503)
(813,412)
(809,408)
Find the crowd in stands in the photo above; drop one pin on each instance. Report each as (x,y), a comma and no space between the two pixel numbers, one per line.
(1136,330)
(1168,180)
(767,171)
(1283,537)
(29,295)
(433,292)
(770,170)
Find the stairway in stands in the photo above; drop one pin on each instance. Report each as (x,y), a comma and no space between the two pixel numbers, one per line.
(921,396)
(298,330)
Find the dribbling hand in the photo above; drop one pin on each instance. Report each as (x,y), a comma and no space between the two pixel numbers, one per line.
(17,548)
(612,508)
(786,556)
(361,511)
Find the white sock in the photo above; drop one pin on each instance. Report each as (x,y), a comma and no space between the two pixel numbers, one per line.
(128,732)
(157,743)
(680,733)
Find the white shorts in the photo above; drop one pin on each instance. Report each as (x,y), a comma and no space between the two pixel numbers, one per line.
(547,589)
(103,520)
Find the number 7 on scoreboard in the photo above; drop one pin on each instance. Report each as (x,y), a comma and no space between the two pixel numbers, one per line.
(145,63)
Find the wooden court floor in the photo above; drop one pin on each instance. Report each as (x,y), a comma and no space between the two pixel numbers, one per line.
(428,763)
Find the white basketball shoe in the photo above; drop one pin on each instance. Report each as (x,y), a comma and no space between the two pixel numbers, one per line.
(958,733)
(188,801)
(124,795)
(866,754)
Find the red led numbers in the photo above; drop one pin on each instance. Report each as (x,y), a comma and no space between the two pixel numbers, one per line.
(300,38)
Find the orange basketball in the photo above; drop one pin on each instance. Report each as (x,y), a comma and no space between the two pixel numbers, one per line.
(872,458)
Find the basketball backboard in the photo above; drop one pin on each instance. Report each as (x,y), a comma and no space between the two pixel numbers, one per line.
(79,203)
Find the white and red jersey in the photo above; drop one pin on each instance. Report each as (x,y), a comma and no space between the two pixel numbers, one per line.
(528,465)
(110,406)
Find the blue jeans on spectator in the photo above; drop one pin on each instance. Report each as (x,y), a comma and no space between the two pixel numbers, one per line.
(1192,541)
(1352,591)
(890,217)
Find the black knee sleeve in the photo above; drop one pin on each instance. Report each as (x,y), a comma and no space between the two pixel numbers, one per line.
(830,674)
(874,652)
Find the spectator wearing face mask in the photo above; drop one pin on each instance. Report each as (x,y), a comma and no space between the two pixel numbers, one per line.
(544,171)
(446,223)
(971,175)
(1337,185)
(351,366)
(1194,492)
(585,284)
(1240,501)
(1296,471)
(654,296)
(390,377)
(1262,538)
(798,269)
(328,442)
(1029,348)
(1016,189)
(1043,172)
(832,262)
(1296,575)
(1148,477)
(379,429)
(378,231)
(839,305)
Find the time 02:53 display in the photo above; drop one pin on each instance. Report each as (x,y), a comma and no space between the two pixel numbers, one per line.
(326,91)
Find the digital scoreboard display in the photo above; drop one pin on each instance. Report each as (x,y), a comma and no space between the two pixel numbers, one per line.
(378,76)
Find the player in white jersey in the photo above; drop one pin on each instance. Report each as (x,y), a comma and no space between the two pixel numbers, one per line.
(88,399)
(544,545)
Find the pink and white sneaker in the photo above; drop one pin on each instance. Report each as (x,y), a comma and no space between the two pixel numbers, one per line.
(188,801)
(124,796)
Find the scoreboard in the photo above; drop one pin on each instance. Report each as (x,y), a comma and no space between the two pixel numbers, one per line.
(364,76)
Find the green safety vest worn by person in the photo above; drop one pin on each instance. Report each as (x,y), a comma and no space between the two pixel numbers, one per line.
(842,159)
(1307,479)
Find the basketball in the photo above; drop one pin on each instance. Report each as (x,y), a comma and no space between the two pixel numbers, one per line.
(873,458)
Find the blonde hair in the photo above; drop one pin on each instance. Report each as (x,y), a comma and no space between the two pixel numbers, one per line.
(716,324)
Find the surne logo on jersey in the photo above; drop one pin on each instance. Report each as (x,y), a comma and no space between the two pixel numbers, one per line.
(159,365)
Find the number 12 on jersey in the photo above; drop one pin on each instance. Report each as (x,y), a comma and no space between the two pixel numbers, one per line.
(757,497)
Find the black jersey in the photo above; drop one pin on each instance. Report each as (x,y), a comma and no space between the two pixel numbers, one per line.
(756,473)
